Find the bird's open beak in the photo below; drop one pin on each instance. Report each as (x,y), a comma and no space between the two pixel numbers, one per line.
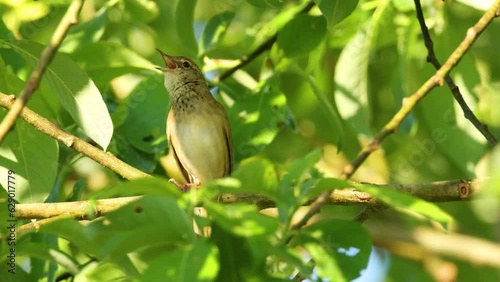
(169,62)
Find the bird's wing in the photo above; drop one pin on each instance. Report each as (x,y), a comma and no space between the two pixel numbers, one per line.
(172,148)
(229,147)
(181,167)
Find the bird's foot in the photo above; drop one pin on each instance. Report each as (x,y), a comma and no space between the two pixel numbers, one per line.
(183,187)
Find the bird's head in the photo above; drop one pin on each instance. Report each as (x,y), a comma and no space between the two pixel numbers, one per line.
(179,70)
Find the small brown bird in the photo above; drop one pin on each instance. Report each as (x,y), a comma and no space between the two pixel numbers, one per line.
(198,130)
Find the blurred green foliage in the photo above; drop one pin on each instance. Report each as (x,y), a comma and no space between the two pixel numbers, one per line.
(299,112)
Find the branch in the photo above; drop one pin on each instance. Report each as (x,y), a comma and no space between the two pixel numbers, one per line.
(263,47)
(79,210)
(431,57)
(444,191)
(470,249)
(408,104)
(42,124)
(69,19)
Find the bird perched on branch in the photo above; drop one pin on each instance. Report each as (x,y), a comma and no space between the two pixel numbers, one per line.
(198,130)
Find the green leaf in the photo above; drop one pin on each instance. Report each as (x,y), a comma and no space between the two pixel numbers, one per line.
(197,262)
(480,5)
(5,32)
(145,111)
(133,156)
(26,12)
(156,218)
(341,248)
(326,266)
(76,92)
(287,260)
(407,202)
(274,4)
(104,61)
(184,20)
(215,30)
(404,5)
(327,184)
(351,72)
(336,11)
(83,34)
(301,35)
(242,219)
(101,271)
(297,169)
(256,118)
(265,184)
(319,75)
(309,106)
(37,250)
(448,130)
(34,170)
(231,247)
(292,188)
(142,10)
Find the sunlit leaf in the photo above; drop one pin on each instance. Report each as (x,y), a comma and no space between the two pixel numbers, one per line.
(242,219)
(157,218)
(266,3)
(34,170)
(88,32)
(351,73)
(336,10)
(407,202)
(197,262)
(74,89)
(142,10)
(256,118)
(104,61)
(347,242)
(144,115)
(215,30)
(265,184)
(40,251)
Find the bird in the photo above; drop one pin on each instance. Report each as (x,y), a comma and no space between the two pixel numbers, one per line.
(198,128)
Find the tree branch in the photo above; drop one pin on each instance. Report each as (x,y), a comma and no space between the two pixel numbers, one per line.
(79,210)
(444,191)
(69,19)
(470,249)
(408,104)
(263,47)
(431,58)
(42,124)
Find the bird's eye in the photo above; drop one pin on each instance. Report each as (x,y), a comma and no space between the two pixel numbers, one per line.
(186,64)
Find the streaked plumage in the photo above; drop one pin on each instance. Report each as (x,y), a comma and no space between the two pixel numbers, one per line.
(198,128)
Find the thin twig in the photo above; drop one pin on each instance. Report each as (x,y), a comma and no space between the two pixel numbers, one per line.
(408,104)
(444,191)
(42,124)
(69,19)
(263,47)
(431,58)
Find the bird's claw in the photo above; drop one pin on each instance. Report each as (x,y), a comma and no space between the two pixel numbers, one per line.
(183,187)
